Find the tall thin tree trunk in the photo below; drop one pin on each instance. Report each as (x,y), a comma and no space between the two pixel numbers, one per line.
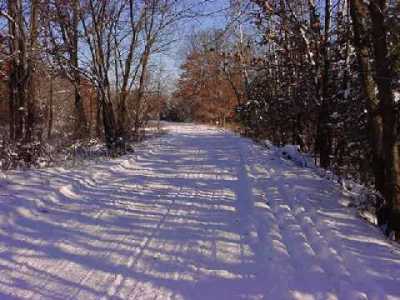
(325,133)
(138,107)
(323,136)
(98,118)
(375,122)
(81,126)
(50,108)
(17,77)
(31,69)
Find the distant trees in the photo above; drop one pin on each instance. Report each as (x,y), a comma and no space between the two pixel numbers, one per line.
(211,84)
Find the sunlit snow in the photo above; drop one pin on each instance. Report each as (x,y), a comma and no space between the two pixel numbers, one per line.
(196,214)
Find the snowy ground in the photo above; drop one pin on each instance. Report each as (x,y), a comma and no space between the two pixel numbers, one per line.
(195,214)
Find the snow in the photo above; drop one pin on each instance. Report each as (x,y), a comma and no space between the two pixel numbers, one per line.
(291,152)
(397,97)
(198,213)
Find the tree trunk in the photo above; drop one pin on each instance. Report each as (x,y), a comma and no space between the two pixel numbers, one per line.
(81,124)
(108,121)
(122,122)
(384,77)
(323,135)
(50,109)
(98,118)
(31,69)
(18,76)
(138,107)
(358,13)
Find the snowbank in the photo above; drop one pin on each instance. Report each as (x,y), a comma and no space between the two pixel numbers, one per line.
(291,152)
(363,199)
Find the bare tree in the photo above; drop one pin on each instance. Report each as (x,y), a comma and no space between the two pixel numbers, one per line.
(99,20)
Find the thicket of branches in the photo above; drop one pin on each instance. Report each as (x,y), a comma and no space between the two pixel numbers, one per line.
(323,75)
(80,69)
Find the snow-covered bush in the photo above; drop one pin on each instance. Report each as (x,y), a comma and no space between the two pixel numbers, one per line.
(292,152)
(15,156)
(367,201)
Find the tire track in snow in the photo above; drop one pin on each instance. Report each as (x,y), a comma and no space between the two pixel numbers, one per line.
(284,229)
(272,249)
(134,259)
(271,253)
(311,245)
(116,287)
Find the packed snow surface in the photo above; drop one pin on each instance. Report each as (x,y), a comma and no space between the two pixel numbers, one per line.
(196,214)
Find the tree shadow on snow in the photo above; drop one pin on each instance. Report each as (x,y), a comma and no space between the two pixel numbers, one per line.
(176,221)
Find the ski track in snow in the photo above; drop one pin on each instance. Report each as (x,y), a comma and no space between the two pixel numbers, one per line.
(196,214)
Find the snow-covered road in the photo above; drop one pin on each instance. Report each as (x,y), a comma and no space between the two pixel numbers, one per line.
(196,214)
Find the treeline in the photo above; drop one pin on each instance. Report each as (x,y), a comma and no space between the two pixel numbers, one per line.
(210,85)
(324,75)
(80,69)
